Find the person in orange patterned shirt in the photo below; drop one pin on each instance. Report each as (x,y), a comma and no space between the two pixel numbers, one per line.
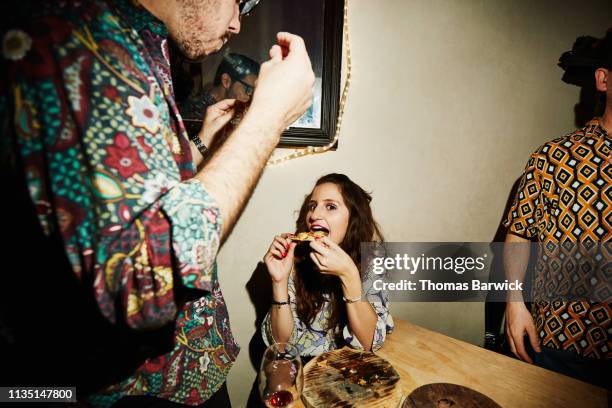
(565,200)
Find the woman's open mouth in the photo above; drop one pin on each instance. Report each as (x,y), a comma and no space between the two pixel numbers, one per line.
(316,227)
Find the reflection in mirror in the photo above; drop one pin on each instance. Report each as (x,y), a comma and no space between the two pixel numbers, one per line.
(232,72)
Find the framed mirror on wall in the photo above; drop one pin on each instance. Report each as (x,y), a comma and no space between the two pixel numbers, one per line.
(232,72)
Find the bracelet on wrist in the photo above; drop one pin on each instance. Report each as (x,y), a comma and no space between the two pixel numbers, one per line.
(279,304)
(197,141)
(351,300)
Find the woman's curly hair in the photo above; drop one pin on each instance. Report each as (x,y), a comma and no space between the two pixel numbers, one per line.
(311,286)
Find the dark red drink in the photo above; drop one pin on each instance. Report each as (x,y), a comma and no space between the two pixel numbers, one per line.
(280,399)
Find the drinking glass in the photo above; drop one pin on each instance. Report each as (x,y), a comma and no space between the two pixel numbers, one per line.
(280,377)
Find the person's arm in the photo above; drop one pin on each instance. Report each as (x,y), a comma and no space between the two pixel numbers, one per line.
(102,176)
(215,119)
(281,324)
(107,180)
(379,301)
(519,321)
(330,259)
(362,319)
(279,261)
(522,223)
(280,315)
(516,258)
(282,94)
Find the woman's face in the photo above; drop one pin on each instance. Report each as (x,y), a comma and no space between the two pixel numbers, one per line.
(328,212)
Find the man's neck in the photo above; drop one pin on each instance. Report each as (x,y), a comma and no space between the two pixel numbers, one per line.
(606,120)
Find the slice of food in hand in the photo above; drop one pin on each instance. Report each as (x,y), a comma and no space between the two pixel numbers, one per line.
(307,236)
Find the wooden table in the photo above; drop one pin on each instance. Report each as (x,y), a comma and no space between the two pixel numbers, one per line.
(422,356)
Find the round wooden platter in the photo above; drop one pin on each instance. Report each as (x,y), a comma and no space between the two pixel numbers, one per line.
(350,378)
(444,395)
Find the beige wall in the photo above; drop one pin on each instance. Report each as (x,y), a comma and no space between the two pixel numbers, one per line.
(447,101)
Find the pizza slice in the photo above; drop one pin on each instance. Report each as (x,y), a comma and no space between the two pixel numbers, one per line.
(307,236)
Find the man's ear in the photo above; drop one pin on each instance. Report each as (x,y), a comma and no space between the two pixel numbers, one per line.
(226,81)
(602,76)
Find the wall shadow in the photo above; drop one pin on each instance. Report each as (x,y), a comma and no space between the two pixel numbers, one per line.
(259,288)
(591,104)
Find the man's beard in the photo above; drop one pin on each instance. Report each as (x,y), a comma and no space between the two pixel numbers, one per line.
(196,50)
(193,49)
(189,36)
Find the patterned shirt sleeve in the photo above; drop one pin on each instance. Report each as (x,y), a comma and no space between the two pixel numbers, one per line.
(525,213)
(90,127)
(379,301)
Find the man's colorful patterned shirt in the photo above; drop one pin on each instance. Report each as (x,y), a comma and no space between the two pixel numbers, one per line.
(565,196)
(108,165)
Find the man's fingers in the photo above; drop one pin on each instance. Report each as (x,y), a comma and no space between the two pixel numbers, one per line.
(219,109)
(291,43)
(509,337)
(533,337)
(225,104)
(276,53)
(519,342)
(223,119)
(512,346)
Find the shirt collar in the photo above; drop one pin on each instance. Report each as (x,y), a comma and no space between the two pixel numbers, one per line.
(594,128)
(139,18)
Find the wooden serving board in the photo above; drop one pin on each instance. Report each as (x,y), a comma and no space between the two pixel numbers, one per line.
(444,395)
(350,378)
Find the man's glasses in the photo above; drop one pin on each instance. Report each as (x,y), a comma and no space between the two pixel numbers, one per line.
(248,89)
(246,6)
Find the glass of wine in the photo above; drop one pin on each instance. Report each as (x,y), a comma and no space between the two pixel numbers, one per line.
(280,377)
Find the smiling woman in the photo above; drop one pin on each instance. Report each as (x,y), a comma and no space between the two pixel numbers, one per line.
(317,286)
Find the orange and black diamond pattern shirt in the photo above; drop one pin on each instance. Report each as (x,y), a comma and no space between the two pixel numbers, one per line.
(565,196)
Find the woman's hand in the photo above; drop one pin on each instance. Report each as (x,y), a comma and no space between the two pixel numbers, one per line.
(332,260)
(279,258)
(217,116)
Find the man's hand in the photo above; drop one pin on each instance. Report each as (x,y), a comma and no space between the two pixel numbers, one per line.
(518,323)
(217,116)
(283,90)
(282,94)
